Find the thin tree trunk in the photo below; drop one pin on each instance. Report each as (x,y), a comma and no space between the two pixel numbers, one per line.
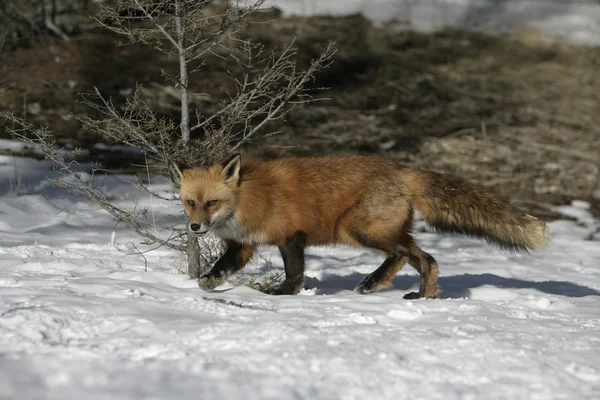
(195,267)
(54,11)
(183,72)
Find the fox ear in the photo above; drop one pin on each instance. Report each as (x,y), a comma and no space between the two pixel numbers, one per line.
(231,168)
(180,167)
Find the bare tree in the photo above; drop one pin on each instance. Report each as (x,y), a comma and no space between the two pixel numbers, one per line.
(267,86)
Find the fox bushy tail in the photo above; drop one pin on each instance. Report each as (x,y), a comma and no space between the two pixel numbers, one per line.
(452,205)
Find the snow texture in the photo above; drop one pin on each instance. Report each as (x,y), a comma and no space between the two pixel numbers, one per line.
(576,20)
(80,317)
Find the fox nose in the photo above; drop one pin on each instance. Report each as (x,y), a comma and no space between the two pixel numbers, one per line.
(195,227)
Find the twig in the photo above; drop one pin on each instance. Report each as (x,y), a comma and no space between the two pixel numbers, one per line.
(140,253)
(151,197)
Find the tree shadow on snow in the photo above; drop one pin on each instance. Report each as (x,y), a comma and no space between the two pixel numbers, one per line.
(453,286)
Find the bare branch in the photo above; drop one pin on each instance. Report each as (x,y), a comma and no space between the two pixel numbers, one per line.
(160,27)
(240,14)
(42,139)
(263,95)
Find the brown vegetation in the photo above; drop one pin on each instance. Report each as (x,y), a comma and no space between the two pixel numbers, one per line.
(515,113)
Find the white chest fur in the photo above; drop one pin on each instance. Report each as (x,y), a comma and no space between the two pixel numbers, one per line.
(233,230)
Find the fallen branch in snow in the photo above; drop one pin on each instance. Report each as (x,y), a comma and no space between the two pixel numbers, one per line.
(237,304)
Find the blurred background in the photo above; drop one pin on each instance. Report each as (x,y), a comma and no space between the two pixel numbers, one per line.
(505,93)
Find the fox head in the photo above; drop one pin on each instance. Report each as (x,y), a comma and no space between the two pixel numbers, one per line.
(209,194)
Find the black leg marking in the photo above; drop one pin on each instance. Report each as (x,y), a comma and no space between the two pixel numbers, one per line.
(382,276)
(234,259)
(292,253)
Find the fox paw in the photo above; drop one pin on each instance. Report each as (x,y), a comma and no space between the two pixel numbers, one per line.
(286,287)
(209,282)
(412,296)
(427,294)
(369,285)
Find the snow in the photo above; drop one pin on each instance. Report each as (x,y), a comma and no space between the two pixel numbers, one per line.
(575,20)
(80,317)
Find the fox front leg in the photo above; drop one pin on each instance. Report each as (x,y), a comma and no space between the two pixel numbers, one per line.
(292,252)
(235,258)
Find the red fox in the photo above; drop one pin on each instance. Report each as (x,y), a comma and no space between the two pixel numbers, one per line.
(364,201)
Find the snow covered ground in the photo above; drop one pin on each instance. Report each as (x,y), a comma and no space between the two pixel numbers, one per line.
(576,20)
(81,318)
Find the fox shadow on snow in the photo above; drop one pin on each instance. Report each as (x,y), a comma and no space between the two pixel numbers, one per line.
(456,286)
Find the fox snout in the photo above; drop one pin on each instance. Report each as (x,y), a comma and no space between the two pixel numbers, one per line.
(199,228)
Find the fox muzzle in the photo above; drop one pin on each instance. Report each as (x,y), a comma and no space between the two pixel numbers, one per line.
(200,229)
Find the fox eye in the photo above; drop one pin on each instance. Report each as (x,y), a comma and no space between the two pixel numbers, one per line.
(211,203)
(191,203)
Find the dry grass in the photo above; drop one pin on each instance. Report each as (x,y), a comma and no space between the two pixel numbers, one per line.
(516,113)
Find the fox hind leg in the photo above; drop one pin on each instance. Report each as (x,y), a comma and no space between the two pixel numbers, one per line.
(382,276)
(382,223)
(391,242)
(428,271)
